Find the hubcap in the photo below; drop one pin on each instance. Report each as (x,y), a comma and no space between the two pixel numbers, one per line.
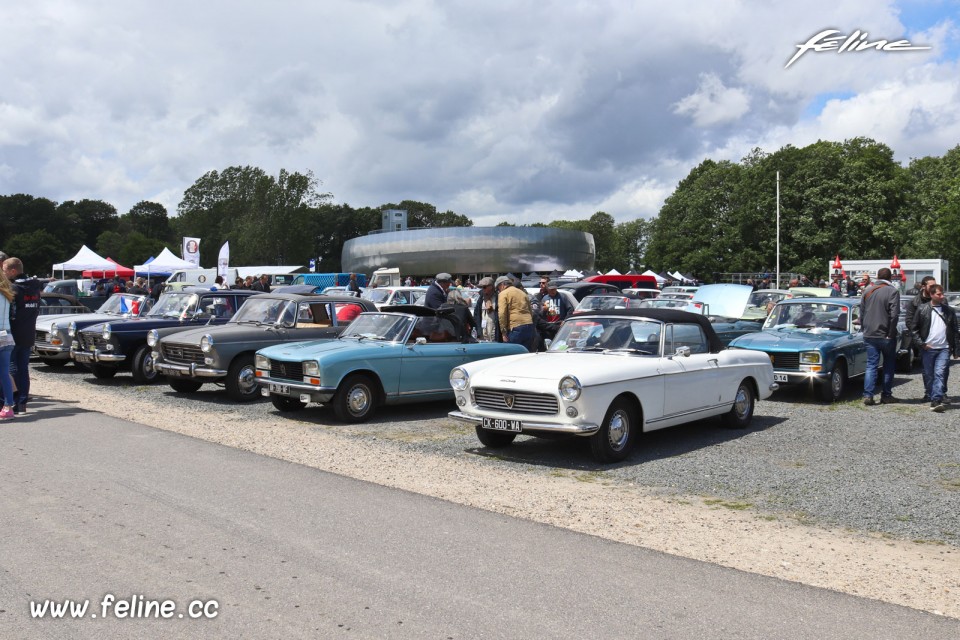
(148,370)
(358,400)
(742,404)
(619,429)
(837,383)
(246,380)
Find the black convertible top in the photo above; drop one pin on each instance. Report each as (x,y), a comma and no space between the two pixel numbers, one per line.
(662,315)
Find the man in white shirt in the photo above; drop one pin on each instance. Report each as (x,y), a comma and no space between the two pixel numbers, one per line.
(935,332)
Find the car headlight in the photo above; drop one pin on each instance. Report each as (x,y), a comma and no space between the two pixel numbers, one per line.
(107,331)
(570,388)
(261,362)
(810,357)
(459,378)
(206,343)
(72,329)
(54,330)
(311,368)
(153,337)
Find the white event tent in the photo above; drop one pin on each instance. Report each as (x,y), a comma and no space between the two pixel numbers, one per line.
(86,259)
(164,264)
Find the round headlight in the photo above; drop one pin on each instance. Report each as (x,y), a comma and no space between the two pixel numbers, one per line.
(107,331)
(72,329)
(206,343)
(459,378)
(153,337)
(570,388)
(54,329)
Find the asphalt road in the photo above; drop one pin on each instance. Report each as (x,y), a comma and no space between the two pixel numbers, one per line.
(91,505)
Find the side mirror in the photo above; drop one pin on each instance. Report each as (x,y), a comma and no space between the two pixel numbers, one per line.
(420,340)
(683,352)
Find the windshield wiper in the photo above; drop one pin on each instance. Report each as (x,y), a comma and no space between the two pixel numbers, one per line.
(631,350)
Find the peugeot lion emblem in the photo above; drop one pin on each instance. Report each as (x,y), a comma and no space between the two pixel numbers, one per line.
(508,400)
(283,370)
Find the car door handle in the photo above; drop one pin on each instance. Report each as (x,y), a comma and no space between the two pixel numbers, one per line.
(714,362)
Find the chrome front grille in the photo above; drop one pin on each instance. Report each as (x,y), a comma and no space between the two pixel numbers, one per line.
(286,370)
(786,361)
(181,353)
(90,341)
(41,336)
(530,403)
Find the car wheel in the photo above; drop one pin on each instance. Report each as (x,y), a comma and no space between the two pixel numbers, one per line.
(833,389)
(495,439)
(356,399)
(741,413)
(143,370)
(54,364)
(286,404)
(102,372)
(184,386)
(614,441)
(241,379)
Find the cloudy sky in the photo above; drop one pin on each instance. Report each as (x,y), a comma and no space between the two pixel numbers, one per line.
(520,110)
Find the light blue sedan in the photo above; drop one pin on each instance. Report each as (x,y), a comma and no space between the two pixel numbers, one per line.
(397,355)
(812,341)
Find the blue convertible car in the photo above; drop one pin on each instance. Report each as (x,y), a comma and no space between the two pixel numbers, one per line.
(813,341)
(399,354)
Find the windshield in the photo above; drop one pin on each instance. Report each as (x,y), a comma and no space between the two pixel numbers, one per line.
(809,315)
(376,295)
(636,335)
(121,303)
(379,326)
(667,303)
(601,303)
(263,310)
(174,305)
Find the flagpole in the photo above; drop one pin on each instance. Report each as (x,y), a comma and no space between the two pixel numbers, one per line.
(778,230)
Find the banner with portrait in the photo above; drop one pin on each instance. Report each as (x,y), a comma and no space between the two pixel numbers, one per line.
(191,251)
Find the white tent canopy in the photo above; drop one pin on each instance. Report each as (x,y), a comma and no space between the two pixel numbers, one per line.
(166,262)
(572,274)
(613,272)
(648,272)
(86,259)
(243,272)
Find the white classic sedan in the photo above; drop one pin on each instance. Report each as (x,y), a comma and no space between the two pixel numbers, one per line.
(610,375)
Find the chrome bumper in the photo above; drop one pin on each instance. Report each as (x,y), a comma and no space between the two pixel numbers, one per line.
(586,429)
(188,370)
(97,356)
(323,395)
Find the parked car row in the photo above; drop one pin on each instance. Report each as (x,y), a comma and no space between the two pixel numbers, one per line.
(618,367)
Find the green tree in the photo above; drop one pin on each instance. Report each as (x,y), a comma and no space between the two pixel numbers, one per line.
(22,214)
(36,249)
(149,219)
(424,214)
(110,245)
(86,220)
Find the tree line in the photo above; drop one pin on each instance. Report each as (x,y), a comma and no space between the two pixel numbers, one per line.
(850,198)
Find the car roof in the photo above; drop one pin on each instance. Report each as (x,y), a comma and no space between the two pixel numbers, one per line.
(667,316)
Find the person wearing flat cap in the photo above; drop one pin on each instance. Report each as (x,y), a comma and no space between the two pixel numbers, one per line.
(515,314)
(485,312)
(554,309)
(437,292)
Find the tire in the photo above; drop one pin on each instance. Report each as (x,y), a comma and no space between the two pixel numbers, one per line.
(241,380)
(495,439)
(142,367)
(614,441)
(356,399)
(54,364)
(184,386)
(741,413)
(102,372)
(834,388)
(286,404)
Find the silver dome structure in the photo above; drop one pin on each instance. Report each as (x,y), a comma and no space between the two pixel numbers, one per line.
(471,250)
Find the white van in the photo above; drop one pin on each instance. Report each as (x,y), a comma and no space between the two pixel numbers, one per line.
(197,278)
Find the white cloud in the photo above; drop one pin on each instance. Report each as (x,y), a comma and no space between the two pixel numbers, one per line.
(713,103)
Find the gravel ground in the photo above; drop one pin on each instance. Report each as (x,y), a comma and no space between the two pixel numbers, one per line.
(854,498)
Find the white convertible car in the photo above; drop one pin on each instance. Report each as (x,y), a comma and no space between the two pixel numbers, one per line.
(609,375)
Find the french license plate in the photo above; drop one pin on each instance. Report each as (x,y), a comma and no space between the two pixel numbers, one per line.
(781,377)
(173,373)
(283,389)
(83,357)
(500,424)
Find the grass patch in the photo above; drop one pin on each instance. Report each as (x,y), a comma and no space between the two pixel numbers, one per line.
(590,476)
(934,542)
(903,518)
(736,506)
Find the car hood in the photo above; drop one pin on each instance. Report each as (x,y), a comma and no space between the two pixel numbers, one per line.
(44,323)
(312,349)
(725,300)
(787,339)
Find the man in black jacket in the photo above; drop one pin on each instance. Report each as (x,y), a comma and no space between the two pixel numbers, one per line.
(936,336)
(437,291)
(26,308)
(880,308)
(919,295)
